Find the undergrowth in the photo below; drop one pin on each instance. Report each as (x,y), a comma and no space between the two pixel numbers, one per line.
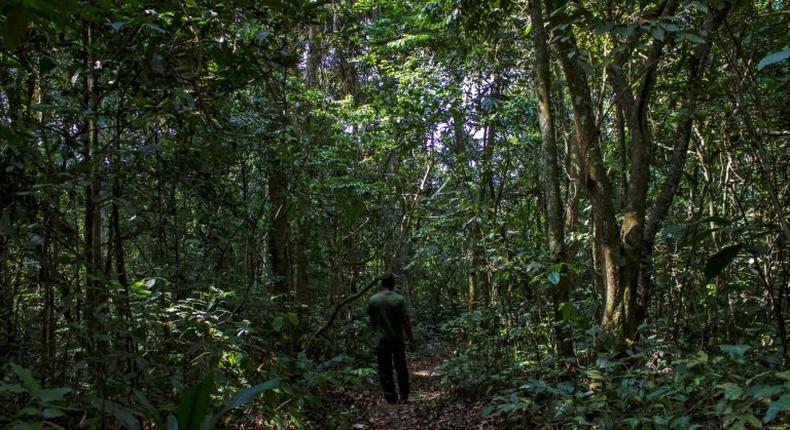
(663,383)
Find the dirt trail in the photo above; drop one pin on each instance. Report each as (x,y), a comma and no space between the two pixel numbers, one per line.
(431,405)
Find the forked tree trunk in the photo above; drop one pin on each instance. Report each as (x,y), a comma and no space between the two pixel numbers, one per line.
(618,274)
(622,246)
(688,106)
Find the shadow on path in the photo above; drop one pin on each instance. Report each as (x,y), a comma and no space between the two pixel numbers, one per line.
(431,406)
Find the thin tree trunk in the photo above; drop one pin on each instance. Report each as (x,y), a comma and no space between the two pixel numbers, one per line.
(95,293)
(696,68)
(313,57)
(277,181)
(48,314)
(620,119)
(554,209)
(302,278)
(279,237)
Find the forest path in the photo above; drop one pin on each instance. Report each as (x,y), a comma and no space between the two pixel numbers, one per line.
(431,405)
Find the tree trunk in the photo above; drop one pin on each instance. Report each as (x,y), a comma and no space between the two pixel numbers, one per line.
(8,334)
(312,66)
(617,320)
(302,277)
(554,210)
(277,181)
(688,105)
(95,293)
(279,235)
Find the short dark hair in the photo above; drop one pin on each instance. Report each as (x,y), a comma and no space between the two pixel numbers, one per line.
(388,281)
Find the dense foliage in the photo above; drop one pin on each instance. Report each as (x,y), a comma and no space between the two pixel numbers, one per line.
(585,201)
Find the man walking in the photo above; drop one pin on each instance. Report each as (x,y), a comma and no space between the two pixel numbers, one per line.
(390,320)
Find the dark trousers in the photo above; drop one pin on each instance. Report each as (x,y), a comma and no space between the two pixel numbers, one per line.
(386,356)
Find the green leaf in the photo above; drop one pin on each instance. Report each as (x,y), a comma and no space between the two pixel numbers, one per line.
(15,27)
(155,27)
(46,64)
(659,392)
(277,323)
(241,398)
(625,31)
(731,391)
(594,374)
(766,391)
(117,25)
(632,422)
(15,388)
(603,28)
(657,32)
(785,374)
(53,394)
(141,287)
(699,237)
(692,37)
(777,406)
(49,413)
(293,318)
(554,278)
(751,419)
(736,350)
(568,311)
(718,261)
(9,135)
(127,417)
(30,411)
(28,381)
(194,404)
(700,6)
(773,58)
(673,231)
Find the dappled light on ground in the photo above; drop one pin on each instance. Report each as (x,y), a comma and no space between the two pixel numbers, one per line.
(432,405)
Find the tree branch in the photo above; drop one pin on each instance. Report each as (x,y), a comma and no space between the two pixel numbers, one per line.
(339,306)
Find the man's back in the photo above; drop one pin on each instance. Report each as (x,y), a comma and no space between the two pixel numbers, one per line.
(387,311)
(390,320)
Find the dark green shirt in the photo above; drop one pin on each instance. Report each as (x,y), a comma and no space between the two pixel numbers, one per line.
(387,310)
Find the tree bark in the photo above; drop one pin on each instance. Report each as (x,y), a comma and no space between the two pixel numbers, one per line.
(279,236)
(302,278)
(340,306)
(312,66)
(697,64)
(616,321)
(95,293)
(95,297)
(634,106)
(279,205)
(554,209)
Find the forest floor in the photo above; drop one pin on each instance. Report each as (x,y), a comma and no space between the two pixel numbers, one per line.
(431,405)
